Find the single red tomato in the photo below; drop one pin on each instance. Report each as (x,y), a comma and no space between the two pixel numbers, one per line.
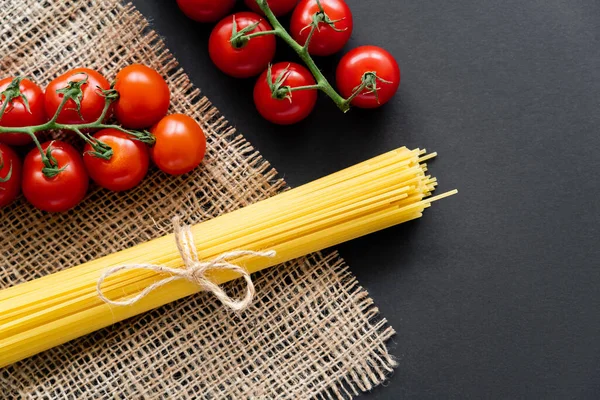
(180,144)
(16,113)
(10,175)
(92,103)
(143,96)
(64,190)
(368,62)
(326,40)
(290,107)
(279,7)
(205,10)
(246,58)
(126,167)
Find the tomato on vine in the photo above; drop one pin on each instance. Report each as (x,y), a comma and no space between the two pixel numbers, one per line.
(91,100)
(10,175)
(68,181)
(125,168)
(372,72)
(205,10)
(235,50)
(327,23)
(180,144)
(143,96)
(285,93)
(279,7)
(23,105)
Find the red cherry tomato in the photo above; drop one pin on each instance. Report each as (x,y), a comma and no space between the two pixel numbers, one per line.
(285,111)
(143,96)
(364,59)
(92,103)
(64,190)
(180,144)
(279,7)
(205,10)
(10,175)
(326,40)
(127,166)
(252,57)
(17,115)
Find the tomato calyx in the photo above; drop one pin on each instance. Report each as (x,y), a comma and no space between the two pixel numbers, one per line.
(240,38)
(321,17)
(368,85)
(100,149)
(74,92)
(143,136)
(12,92)
(109,94)
(280,91)
(51,168)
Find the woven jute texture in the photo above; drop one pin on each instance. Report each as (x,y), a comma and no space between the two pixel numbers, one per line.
(312,331)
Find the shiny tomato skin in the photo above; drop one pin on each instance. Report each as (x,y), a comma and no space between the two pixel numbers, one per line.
(205,10)
(325,41)
(61,192)
(10,187)
(363,59)
(279,7)
(180,144)
(92,103)
(284,111)
(143,96)
(249,60)
(17,114)
(127,166)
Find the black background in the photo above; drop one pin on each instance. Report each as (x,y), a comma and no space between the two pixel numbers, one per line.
(495,292)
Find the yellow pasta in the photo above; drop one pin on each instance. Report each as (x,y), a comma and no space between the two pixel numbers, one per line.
(370,196)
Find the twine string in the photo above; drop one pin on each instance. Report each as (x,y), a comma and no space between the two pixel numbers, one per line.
(194,271)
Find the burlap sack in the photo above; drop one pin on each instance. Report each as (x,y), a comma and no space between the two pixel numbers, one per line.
(312,331)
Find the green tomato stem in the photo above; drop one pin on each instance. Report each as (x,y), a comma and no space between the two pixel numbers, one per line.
(59,109)
(307,87)
(260,33)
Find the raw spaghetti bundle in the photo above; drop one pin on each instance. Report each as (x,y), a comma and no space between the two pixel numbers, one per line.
(370,196)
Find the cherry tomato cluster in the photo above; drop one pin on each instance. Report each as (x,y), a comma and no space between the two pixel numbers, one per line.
(54,176)
(243,45)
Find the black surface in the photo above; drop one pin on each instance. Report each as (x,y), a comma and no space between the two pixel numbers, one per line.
(495,293)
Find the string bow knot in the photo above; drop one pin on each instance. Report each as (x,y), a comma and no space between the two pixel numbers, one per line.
(194,271)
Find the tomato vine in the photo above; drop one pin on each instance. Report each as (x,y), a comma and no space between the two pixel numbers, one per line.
(369,78)
(73,91)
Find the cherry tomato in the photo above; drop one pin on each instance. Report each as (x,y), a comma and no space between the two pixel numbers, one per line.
(92,103)
(127,166)
(180,144)
(326,40)
(285,111)
(246,59)
(279,7)
(364,59)
(17,115)
(10,175)
(205,10)
(64,190)
(143,96)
